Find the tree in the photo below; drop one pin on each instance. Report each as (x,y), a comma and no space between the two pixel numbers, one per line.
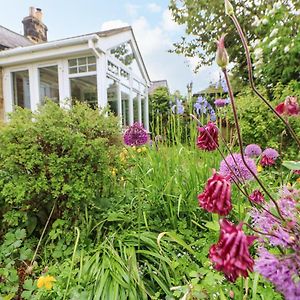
(206,20)
(159,101)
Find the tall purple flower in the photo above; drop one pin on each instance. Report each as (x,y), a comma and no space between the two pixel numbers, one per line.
(135,135)
(201,105)
(220,102)
(237,169)
(231,254)
(253,150)
(178,108)
(281,271)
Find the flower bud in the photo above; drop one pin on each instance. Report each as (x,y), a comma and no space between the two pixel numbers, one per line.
(222,57)
(229,8)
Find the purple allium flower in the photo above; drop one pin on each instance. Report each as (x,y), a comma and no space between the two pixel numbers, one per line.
(257,197)
(220,102)
(270,153)
(253,150)
(231,254)
(216,197)
(135,135)
(208,137)
(263,221)
(281,271)
(178,108)
(237,167)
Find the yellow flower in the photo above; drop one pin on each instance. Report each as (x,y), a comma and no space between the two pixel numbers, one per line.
(133,148)
(144,149)
(114,171)
(46,281)
(259,168)
(298,180)
(139,150)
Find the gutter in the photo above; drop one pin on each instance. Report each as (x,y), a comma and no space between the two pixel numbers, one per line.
(49,45)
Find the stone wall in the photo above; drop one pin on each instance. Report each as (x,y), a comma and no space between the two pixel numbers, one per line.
(1,98)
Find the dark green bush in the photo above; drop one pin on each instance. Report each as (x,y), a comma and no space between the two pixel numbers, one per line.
(259,125)
(55,156)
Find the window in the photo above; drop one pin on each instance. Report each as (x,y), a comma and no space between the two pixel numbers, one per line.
(21,89)
(82,65)
(49,84)
(112,97)
(85,89)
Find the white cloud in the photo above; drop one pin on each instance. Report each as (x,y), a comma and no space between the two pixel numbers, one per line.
(168,22)
(154,7)
(132,9)
(113,24)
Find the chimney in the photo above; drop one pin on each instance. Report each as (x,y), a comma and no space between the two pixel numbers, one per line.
(34,28)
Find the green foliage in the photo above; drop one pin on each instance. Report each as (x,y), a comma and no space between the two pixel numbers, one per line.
(206,21)
(55,157)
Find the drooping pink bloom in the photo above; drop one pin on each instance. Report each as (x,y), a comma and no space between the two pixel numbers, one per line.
(289,107)
(267,161)
(257,197)
(222,58)
(231,254)
(208,137)
(216,197)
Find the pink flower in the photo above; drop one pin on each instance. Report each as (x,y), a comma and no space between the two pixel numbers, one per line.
(216,197)
(208,138)
(231,254)
(267,161)
(222,57)
(289,107)
(257,197)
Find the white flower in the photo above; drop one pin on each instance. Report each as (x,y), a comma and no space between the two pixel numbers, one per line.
(286,49)
(255,43)
(265,39)
(258,52)
(277,5)
(256,21)
(273,42)
(265,21)
(274,32)
(274,49)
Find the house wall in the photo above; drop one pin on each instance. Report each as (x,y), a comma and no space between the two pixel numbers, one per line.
(1,97)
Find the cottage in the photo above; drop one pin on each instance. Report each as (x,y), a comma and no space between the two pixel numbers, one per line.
(101,68)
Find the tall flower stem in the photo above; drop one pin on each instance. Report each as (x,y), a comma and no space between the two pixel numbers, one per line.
(238,130)
(251,80)
(238,182)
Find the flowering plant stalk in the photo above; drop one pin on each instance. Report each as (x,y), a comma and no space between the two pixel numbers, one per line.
(275,221)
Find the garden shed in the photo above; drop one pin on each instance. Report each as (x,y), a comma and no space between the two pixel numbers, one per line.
(101,68)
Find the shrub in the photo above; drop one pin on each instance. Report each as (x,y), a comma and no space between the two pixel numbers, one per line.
(55,157)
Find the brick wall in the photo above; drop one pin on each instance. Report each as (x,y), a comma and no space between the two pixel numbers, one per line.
(1,98)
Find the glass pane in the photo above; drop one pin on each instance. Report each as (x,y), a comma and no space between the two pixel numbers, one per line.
(73,70)
(82,61)
(72,62)
(49,84)
(112,96)
(135,108)
(125,105)
(91,68)
(91,60)
(82,69)
(21,89)
(85,89)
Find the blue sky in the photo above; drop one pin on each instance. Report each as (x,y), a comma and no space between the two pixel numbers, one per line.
(154,29)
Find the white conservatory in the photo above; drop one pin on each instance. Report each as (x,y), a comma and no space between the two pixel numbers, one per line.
(102,68)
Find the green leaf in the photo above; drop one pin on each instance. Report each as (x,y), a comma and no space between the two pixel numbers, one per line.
(291,165)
